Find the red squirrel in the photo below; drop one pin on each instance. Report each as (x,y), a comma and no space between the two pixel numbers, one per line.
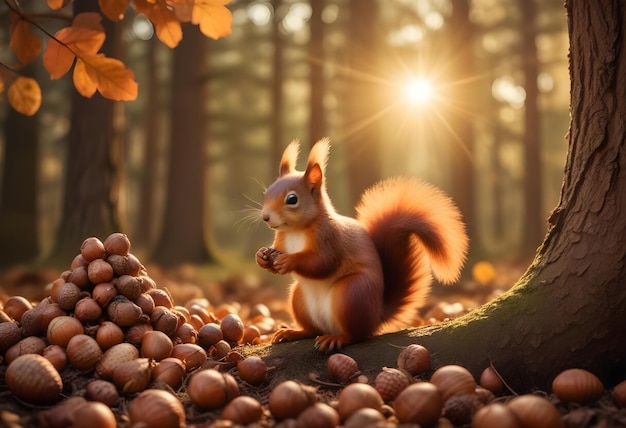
(355,278)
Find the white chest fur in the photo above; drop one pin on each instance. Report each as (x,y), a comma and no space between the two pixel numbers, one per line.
(318,301)
(295,242)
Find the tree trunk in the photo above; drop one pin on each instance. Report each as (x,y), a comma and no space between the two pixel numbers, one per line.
(534,229)
(459,115)
(182,237)
(364,105)
(569,308)
(18,204)
(317,123)
(93,166)
(277,144)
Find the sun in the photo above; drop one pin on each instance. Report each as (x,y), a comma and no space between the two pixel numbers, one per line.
(419,91)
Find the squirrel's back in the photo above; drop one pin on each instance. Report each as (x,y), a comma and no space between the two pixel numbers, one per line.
(416,229)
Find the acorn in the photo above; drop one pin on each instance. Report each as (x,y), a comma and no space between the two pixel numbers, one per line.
(28,345)
(61,329)
(83,352)
(577,385)
(156,345)
(211,389)
(33,379)
(618,393)
(103,391)
(357,396)
(117,243)
(114,357)
(319,415)
(490,380)
(170,371)
(192,355)
(243,410)
(390,382)
(232,328)
(252,370)
(15,306)
(535,411)
(92,248)
(289,398)
(342,367)
(419,403)
(495,415)
(132,376)
(415,359)
(453,380)
(156,408)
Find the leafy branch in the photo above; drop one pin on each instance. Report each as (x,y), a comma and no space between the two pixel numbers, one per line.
(78,45)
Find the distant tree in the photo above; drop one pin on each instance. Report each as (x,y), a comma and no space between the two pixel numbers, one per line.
(277,142)
(182,236)
(363,97)
(18,195)
(459,114)
(92,173)
(534,227)
(317,120)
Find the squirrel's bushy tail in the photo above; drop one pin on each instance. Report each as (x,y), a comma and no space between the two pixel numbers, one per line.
(416,229)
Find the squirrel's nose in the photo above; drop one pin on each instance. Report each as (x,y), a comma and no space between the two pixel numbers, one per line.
(266,217)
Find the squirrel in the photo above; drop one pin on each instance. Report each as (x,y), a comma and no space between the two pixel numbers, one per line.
(356,278)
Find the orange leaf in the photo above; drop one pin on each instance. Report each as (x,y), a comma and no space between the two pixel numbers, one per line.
(213,18)
(24,43)
(56,4)
(182,8)
(85,36)
(25,95)
(167,26)
(57,59)
(83,82)
(86,33)
(113,79)
(113,9)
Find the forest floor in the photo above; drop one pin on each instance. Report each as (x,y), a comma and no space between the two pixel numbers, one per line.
(240,293)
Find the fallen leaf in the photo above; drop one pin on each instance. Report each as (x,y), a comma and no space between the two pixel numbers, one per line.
(24,95)
(24,43)
(213,18)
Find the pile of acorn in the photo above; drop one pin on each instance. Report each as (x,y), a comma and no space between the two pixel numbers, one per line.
(144,357)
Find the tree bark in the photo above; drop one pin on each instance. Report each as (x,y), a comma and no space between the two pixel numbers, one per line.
(182,237)
(569,308)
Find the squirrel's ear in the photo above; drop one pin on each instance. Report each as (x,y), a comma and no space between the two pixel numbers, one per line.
(319,155)
(314,175)
(289,158)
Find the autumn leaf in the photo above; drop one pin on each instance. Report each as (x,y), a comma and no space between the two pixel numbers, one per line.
(24,95)
(56,4)
(113,9)
(113,80)
(182,9)
(83,82)
(167,26)
(57,59)
(24,43)
(84,36)
(213,18)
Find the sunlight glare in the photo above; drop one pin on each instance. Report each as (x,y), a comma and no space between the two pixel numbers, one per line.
(419,91)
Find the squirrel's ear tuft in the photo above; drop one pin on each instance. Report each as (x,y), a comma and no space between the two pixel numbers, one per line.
(289,158)
(319,155)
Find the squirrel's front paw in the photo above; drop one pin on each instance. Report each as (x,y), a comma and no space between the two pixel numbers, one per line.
(265,258)
(282,264)
(331,342)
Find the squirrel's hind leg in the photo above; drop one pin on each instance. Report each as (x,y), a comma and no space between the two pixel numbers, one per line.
(299,313)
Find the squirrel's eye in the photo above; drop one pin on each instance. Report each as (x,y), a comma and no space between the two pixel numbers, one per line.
(291,199)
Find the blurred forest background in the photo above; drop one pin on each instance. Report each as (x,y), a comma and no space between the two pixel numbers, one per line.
(472,96)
